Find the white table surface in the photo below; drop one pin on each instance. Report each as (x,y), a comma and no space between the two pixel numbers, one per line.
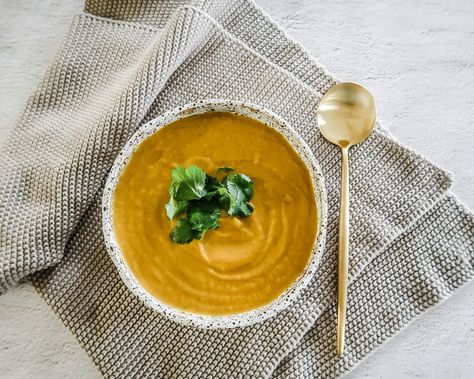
(417,57)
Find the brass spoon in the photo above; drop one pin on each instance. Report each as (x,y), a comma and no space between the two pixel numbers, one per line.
(346,117)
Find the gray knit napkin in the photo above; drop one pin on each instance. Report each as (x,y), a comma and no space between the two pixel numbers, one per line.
(127,62)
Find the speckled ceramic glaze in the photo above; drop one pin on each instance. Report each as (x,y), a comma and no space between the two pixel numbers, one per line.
(243,109)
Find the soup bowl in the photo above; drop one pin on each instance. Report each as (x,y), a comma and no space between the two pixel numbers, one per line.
(290,294)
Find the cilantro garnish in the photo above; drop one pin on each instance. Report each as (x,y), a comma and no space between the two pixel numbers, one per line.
(199,199)
(174,208)
(204,215)
(240,190)
(224,169)
(183,232)
(187,184)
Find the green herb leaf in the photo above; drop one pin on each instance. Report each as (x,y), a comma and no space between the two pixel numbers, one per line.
(212,184)
(188,184)
(240,191)
(224,169)
(223,198)
(174,208)
(182,232)
(240,209)
(204,215)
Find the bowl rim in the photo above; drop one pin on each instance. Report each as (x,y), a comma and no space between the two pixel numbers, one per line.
(241,108)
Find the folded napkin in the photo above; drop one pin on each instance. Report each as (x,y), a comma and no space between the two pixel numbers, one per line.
(122,64)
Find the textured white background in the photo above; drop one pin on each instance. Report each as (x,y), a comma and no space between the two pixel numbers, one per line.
(418,60)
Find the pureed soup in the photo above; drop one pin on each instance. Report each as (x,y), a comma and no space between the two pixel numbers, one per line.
(248,261)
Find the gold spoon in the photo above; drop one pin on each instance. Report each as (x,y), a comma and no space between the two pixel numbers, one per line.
(346,117)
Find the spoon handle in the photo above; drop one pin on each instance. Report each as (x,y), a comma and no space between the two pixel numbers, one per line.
(343,251)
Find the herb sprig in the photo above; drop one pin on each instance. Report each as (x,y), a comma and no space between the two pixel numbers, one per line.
(198,199)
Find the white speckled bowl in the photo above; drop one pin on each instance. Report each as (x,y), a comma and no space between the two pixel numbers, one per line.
(198,320)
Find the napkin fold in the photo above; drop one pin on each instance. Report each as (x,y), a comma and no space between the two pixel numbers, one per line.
(125,63)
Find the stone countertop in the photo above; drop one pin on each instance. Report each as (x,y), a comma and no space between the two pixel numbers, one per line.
(418,60)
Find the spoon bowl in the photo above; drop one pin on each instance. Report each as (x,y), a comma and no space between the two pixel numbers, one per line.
(346,117)
(346,114)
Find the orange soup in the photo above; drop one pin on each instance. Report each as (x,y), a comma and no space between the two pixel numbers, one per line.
(246,262)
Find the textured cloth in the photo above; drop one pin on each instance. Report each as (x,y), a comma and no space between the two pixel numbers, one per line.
(125,63)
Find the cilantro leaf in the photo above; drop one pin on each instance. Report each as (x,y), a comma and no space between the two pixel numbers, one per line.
(240,191)
(204,215)
(175,208)
(224,169)
(182,232)
(242,186)
(240,209)
(212,184)
(223,198)
(187,184)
